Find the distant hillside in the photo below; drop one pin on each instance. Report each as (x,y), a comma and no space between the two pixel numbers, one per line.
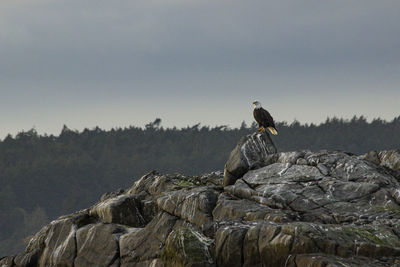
(43,177)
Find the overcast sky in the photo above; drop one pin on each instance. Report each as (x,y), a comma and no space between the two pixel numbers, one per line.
(117,63)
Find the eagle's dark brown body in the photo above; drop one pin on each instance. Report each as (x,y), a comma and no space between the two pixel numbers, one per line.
(263,118)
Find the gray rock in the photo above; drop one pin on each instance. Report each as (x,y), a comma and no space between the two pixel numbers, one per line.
(289,209)
(301,161)
(33,250)
(122,209)
(323,169)
(229,245)
(266,244)
(114,194)
(229,208)
(390,159)
(187,247)
(307,260)
(251,152)
(305,188)
(97,245)
(372,157)
(155,184)
(60,244)
(30,258)
(142,245)
(292,157)
(7,261)
(213,179)
(194,205)
(55,244)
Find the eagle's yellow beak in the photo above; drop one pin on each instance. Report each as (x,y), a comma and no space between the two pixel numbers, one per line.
(254,102)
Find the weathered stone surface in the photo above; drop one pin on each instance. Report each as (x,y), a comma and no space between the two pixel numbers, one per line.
(268,244)
(54,244)
(318,260)
(229,245)
(229,208)
(187,247)
(114,194)
(144,244)
(291,209)
(327,196)
(213,179)
(193,205)
(123,209)
(390,159)
(7,261)
(252,151)
(151,263)
(155,184)
(28,259)
(97,245)
(34,249)
(60,244)
(372,157)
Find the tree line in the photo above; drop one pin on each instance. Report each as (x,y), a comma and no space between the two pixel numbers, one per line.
(45,176)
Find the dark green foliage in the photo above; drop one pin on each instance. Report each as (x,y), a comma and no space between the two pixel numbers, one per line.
(355,135)
(46,176)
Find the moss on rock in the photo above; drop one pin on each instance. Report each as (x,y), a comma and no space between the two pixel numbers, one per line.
(380,236)
(184,183)
(186,247)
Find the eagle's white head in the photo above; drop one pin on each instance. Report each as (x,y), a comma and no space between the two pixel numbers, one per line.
(257,104)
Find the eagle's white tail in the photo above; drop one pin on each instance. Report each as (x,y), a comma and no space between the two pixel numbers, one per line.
(272,130)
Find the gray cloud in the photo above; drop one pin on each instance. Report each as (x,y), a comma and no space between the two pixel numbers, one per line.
(94,59)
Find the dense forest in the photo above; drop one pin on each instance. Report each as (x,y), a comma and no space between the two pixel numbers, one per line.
(45,176)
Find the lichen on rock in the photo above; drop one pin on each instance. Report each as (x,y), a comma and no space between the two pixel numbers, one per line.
(187,247)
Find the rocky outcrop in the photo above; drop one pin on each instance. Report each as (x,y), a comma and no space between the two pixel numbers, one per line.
(253,151)
(389,159)
(293,209)
(196,249)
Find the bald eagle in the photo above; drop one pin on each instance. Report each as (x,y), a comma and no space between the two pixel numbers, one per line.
(263,118)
